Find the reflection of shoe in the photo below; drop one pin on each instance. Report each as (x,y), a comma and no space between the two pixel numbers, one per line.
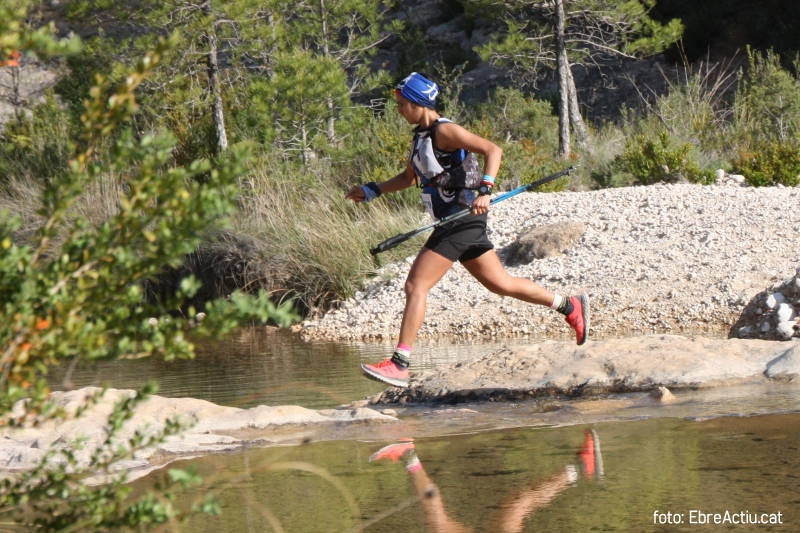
(591,459)
(572,474)
(578,319)
(387,372)
(392,451)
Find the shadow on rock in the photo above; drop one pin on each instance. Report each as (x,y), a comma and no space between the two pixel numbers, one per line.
(771,314)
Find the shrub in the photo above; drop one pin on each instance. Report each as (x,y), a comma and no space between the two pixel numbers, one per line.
(771,162)
(653,160)
(767,102)
(72,291)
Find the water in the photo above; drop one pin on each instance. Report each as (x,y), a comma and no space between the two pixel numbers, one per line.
(485,467)
(267,367)
(492,480)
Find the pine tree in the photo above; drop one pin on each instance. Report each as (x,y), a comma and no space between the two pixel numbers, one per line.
(546,35)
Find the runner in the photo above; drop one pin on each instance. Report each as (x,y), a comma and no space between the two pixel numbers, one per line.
(443,164)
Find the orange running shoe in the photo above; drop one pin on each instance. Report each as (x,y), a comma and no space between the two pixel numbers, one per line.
(578,319)
(393,451)
(387,372)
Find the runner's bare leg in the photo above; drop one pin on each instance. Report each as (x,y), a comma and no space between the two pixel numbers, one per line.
(428,268)
(489,271)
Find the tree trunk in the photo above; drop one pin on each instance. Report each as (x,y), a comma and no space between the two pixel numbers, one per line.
(575,117)
(218,112)
(563,74)
(304,141)
(17,97)
(273,48)
(331,134)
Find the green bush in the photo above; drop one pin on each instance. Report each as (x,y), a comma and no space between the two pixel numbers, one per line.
(771,162)
(653,160)
(71,291)
(767,102)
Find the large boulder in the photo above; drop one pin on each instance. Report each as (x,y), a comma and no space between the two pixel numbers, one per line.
(211,428)
(545,241)
(786,366)
(556,368)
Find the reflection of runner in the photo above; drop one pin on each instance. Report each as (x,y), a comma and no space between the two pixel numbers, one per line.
(512,515)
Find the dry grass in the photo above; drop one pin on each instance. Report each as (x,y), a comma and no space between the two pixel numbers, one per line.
(297,241)
(322,239)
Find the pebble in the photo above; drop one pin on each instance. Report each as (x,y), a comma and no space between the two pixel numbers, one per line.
(785,313)
(785,330)
(663,258)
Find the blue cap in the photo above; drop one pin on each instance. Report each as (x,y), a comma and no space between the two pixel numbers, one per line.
(419,90)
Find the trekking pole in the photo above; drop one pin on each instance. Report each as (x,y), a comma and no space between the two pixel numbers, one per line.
(388,244)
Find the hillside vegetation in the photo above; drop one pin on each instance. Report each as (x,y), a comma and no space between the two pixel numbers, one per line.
(309,93)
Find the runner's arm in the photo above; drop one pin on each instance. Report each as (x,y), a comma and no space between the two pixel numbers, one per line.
(402,181)
(451,137)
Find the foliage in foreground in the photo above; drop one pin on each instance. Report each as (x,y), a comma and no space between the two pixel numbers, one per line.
(73,292)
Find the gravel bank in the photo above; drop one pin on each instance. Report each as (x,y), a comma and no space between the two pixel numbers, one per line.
(660,259)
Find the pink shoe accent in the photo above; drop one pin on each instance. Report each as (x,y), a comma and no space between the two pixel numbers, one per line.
(387,371)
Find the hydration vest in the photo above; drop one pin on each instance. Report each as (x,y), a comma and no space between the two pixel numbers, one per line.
(447,170)
(448,179)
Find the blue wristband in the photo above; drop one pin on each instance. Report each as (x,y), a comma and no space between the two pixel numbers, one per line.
(371,191)
(488,180)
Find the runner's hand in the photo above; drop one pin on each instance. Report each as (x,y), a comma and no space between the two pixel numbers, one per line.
(356,193)
(481,205)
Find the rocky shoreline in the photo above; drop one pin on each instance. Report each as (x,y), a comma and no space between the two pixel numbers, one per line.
(659,259)
(211,428)
(558,369)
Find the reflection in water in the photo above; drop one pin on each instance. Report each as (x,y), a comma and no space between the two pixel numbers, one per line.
(511,515)
(528,480)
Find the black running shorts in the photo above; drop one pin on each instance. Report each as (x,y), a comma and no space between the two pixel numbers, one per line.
(461,240)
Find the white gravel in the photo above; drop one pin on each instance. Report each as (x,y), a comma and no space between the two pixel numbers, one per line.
(663,258)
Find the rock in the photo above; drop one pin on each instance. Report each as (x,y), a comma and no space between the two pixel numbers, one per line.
(710,236)
(785,313)
(661,394)
(738,178)
(774,300)
(613,365)
(785,330)
(545,241)
(786,366)
(389,412)
(212,428)
(720,174)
